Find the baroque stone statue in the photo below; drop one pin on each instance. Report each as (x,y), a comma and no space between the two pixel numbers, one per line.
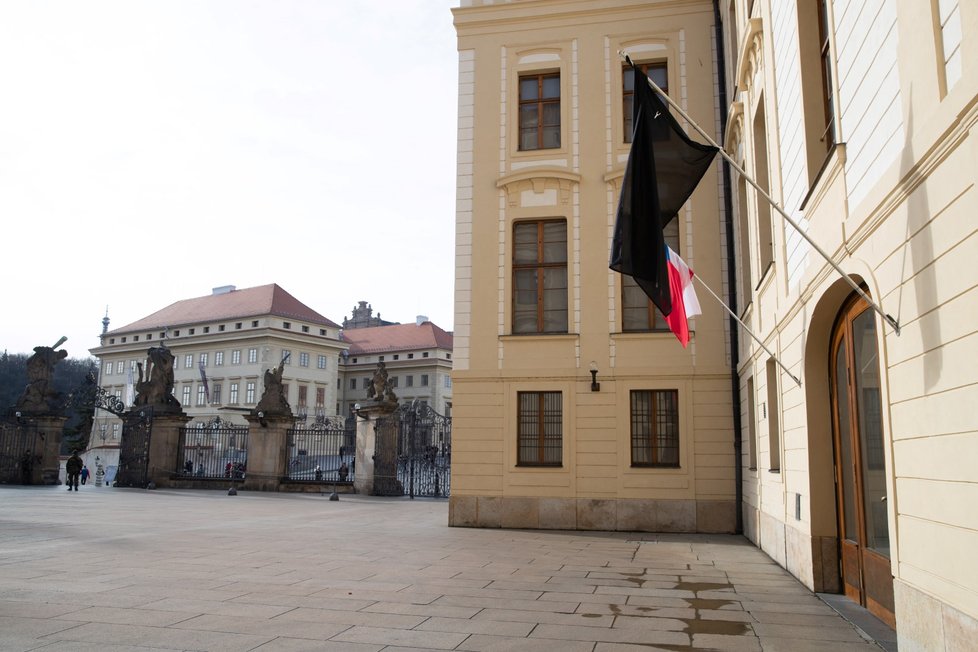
(273,400)
(380,388)
(156,389)
(39,395)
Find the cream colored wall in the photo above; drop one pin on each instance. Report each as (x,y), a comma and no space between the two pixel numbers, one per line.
(579,182)
(898,214)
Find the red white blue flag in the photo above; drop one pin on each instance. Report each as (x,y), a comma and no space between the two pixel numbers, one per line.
(685,303)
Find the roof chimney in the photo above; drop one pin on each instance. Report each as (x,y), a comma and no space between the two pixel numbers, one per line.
(420,319)
(224,289)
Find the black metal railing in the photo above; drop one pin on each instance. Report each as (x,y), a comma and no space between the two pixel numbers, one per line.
(213,450)
(323,451)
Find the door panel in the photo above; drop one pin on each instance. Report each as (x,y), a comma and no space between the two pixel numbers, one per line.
(860,461)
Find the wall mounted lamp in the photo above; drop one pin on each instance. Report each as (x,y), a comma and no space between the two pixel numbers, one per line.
(595,385)
(356,411)
(261,420)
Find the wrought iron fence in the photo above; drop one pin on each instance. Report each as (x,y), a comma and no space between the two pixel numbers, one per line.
(414,453)
(213,449)
(323,451)
(19,451)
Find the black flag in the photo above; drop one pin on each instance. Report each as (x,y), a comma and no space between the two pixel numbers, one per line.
(664,167)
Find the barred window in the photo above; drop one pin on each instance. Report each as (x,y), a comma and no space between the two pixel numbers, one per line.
(655,427)
(539,429)
(540,277)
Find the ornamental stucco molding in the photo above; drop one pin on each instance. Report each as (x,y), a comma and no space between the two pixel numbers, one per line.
(538,180)
(750,59)
(735,126)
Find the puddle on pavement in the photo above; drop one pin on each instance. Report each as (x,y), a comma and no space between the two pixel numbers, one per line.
(723,627)
(705,603)
(703,586)
(591,615)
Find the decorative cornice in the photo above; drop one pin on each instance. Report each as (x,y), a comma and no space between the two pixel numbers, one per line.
(614,178)
(735,126)
(538,180)
(750,53)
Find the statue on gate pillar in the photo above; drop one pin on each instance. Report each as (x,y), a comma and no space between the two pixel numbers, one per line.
(380,388)
(156,389)
(39,395)
(273,401)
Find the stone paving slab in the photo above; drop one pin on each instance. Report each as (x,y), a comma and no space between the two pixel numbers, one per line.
(124,570)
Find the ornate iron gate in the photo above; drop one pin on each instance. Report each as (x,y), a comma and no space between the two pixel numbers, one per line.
(324,451)
(19,451)
(414,453)
(137,427)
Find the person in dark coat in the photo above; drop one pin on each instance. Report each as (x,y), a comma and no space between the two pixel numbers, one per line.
(84,474)
(73,467)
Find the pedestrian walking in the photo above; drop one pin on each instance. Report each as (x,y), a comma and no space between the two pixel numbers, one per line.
(84,474)
(73,468)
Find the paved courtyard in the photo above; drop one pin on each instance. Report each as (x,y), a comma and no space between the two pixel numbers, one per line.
(109,569)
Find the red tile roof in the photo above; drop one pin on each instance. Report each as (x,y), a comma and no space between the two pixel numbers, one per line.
(236,304)
(398,337)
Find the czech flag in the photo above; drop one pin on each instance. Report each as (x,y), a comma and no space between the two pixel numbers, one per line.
(685,304)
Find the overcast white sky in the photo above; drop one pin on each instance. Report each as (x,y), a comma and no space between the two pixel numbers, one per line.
(151,151)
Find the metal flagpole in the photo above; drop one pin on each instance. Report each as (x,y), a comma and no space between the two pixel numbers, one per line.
(747,330)
(890,320)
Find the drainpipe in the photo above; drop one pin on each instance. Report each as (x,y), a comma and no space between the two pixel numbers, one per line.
(731,281)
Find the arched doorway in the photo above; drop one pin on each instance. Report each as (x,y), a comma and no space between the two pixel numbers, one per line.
(861,488)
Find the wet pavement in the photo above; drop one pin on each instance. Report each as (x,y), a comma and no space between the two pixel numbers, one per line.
(111,569)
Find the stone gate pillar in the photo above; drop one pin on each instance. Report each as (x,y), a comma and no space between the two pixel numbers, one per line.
(268,449)
(164,445)
(367,418)
(49,430)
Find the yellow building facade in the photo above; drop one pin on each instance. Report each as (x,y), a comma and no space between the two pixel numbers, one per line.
(645,442)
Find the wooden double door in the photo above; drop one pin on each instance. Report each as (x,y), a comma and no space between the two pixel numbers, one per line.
(861,487)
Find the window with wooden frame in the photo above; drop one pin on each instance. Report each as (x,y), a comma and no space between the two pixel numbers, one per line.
(539,111)
(540,277)
(540,440)
(655,427)
(828,136)
(657,72)
(638,313)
